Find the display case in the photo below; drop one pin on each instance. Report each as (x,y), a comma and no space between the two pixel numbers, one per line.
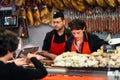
(83,73)
(104,64)
(70,73)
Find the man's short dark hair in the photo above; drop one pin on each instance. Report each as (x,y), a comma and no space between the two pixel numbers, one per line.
(58,14)
(77,24)
(8,41)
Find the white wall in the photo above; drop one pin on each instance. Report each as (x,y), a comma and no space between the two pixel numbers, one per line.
(36,35)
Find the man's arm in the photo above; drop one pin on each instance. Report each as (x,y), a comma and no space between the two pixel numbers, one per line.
(48,55)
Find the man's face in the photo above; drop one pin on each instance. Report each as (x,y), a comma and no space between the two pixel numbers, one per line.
(58,24)
(78,34)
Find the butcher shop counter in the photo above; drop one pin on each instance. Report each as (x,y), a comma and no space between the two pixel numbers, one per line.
(77,73)
(72,73)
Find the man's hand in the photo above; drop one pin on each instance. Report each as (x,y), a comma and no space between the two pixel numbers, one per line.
(20,61)
(53,56)
(39,57)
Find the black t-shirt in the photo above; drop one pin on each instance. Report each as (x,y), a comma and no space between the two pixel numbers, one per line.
(12,72)
(57,38)
(94,42)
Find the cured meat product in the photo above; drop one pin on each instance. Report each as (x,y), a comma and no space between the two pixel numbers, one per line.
(111,3)
(18,2)
(67,3)
(94,24)
(91,2)
(45,16)
(36,17)
(46,2)
(119,23)
(79,5)
(118,1)
(58,4)
(6,2)
(101,3)
(30,16)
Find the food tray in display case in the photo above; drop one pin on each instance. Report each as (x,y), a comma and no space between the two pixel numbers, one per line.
(77,71)
(89,68)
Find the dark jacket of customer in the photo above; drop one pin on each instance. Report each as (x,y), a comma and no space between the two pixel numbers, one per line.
(11,71)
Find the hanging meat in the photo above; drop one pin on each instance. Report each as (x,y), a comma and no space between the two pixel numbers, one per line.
(36,16)
(30,16)
(91,2)
(118,1)
(6,2)
(45,16)
(19,2)
(111,3)
(58,4)
(67,3)
(101,3)
(46,2)
(119,22)
(79,5)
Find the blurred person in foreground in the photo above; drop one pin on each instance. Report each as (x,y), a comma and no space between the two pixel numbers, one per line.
(82,41)
(54,42)
(14,70)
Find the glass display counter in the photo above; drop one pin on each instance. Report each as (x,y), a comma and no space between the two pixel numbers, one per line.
(72,73)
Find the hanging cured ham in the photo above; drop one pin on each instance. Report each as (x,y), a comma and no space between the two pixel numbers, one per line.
(111,3)
(19,2)
(36,17)
(118,1)
(91,2)
(101,3)
(48,3)
(45,16)
(58,4)
(30,17)
(67,3)
(79,5)
(6,2)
